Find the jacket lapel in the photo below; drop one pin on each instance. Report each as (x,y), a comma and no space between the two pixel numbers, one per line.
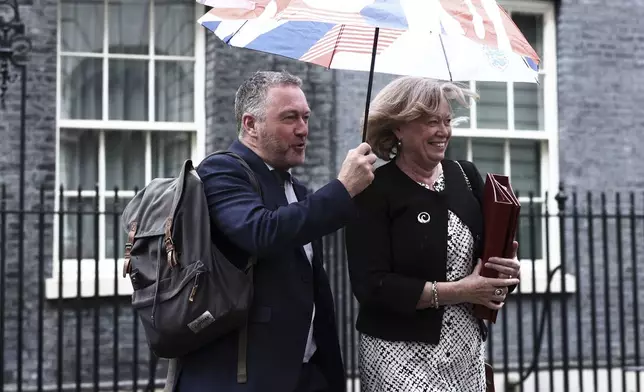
(301,193)
(274,195)
(317,254)
(300,190)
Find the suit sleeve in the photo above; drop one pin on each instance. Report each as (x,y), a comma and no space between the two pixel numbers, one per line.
(237,210)
(368,245)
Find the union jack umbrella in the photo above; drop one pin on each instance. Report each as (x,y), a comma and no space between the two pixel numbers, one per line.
(456,40)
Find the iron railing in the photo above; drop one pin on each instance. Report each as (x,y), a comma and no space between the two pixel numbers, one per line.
(571,331)
(15,48)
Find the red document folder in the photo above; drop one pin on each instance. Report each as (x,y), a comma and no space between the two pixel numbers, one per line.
(501,216)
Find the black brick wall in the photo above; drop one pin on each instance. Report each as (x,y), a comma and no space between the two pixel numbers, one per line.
(39,18)
(600,67)
(601,63)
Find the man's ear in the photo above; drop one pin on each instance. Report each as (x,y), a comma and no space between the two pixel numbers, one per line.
(249,124)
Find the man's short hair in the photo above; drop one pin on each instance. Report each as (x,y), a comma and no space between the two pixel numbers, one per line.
(251,95)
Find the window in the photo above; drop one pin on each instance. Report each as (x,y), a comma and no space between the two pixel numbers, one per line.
(512,130)
(130,108)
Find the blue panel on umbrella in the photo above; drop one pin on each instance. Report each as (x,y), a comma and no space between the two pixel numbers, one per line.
(531,63)
(385,13)
(211,25)
(292,39)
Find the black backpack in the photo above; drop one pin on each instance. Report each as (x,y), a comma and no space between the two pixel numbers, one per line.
(186,292)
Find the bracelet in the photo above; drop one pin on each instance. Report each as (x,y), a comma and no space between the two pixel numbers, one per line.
(435,292)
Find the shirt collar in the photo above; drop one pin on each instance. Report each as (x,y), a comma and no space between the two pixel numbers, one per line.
(271,168)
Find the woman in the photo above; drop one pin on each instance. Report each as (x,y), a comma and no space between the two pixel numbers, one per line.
(413,246)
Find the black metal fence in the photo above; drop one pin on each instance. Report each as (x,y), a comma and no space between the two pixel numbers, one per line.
(573,324)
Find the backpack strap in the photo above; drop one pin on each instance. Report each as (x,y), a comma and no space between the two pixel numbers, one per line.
(242,344)
(251,175)
(252,260)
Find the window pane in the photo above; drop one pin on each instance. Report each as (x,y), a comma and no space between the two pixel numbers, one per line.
(531,25)
(82,88)
(457,148)
(129,26)
(113,210)
(529,233)
(174,28)
(78,159)
(81,25)
(525,165)
(169,151)
(528,97)
(174,91)
(488,156)
(492,107)
(125,166)
(528,106)
(128,90)
(79,218)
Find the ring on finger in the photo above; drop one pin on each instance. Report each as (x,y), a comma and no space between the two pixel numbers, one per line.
(498,292)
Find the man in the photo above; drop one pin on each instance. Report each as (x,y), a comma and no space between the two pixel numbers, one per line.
(292,337)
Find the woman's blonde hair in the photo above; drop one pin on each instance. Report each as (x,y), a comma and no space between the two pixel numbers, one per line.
(404,100)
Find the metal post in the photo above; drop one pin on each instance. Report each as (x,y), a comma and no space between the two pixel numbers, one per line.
(561,197)
(14,51)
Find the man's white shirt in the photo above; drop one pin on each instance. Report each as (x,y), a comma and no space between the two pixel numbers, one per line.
(308,249)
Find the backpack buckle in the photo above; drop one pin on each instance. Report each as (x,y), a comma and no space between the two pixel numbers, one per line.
(128,250)
(169,244)
(170,252)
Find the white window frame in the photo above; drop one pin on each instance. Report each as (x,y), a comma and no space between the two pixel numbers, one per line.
(549,152)
(106,267)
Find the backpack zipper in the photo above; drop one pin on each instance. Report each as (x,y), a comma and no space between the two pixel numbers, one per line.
(194,288)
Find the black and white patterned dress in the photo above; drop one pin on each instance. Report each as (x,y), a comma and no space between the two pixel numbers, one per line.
(456,363)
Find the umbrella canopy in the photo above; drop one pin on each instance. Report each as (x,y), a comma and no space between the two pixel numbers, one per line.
(444,39)
(456,40)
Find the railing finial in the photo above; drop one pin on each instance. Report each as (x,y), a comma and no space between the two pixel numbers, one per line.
(561,197)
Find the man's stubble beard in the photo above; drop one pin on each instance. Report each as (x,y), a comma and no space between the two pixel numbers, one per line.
(271,146)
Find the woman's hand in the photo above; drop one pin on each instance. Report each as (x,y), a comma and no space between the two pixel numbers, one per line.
(507,268)
(489,292)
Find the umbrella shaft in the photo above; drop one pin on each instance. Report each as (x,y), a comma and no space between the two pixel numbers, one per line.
(370,84)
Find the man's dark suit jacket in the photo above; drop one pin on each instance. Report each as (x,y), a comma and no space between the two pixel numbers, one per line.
(285,284)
